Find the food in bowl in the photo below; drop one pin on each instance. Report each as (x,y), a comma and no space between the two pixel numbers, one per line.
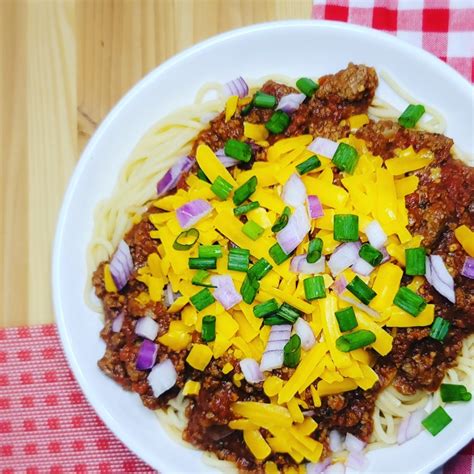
(286,272)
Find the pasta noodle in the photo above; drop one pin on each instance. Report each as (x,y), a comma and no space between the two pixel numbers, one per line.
(172,138)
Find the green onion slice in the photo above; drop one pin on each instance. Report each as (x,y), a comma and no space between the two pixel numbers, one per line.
(346,158)
(208,330)
(239,150)
(346,319)
(411,115)
(210,251)
(265,309)
(277,254)
(221,188)
(202,299)
(196,263)
(279,122)
(244,208)
(355,340)
(370,254)
(314,288)
(245,191)
(252,230)
(186,239)
(409,301)
(415,261)
(292,351)
(274,320)
(360,289)
(249,289)
(307,86)
(261,268)
(454,393)
(315,249)
(288,312)
(437,421)
(282,220)
(308,165)
(238,260)
(200,277)
(264,101)
(346,227)
(439,329)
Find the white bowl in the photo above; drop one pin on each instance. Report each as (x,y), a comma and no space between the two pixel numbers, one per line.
(296,48)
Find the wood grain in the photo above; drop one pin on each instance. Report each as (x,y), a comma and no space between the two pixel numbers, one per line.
(63,64)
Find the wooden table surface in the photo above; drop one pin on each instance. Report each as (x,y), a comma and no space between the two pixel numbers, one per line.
(63,64)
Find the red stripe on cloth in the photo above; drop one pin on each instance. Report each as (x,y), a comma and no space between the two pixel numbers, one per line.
(46,424)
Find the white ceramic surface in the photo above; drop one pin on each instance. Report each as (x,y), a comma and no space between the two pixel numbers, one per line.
(295,48)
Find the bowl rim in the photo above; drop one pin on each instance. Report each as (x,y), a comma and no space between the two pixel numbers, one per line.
(122,434)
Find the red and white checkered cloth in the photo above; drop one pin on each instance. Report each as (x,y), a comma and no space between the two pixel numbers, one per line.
(46,424)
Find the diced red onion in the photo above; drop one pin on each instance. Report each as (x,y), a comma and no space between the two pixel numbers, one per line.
(361,306)
(121,265)
(337,468)
(439,277)
(251,370)
(324,147)
(336,441)
(299,264)
(162,377)
(362,267)
(225,292)
(386,255)
(273,359)
(237,86)
(308,412)
(146,356)
(354,444)
(227,161)
(147,327)
(315,207)
(171,177)
(356,461)
(317,467)
(295,231)
(294,191)
(290,102)
(118,322)
(376,235)
(304,331)
(170,296)
(192,212)
(410,426)
(468,268)
(276,345)
(343,257)
(340,284)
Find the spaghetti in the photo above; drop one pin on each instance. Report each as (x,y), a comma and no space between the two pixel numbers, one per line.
(174,137)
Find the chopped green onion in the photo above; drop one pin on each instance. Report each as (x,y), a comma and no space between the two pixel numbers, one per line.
(346,319)
(208,330)
(282,220)
(411,115)
(274,321)
(415,261)
(238,260)
(307,86)
(202,263)
(200,277)
(252,230)
(239,150)
(277,253)
(314,288)
(346,158)
(308,165)
(409,301)
(249,289)
(437,421)
(202,299)
(315,248)
(210,251)
(244,208)
(346,227)
(264,101)
(186,239)
(245,191)
(288,312)
(355,340)
(454,393)
(278,122)
(439,329)
(292,351)
(201,175)
(221,188)
(266,308)
(260,269)
(370,254)
(360,289)
(246,109)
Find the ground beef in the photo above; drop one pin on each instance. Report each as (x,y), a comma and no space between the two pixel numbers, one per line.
(415,362)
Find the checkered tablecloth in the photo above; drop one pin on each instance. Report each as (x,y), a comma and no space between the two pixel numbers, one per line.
(46,425)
